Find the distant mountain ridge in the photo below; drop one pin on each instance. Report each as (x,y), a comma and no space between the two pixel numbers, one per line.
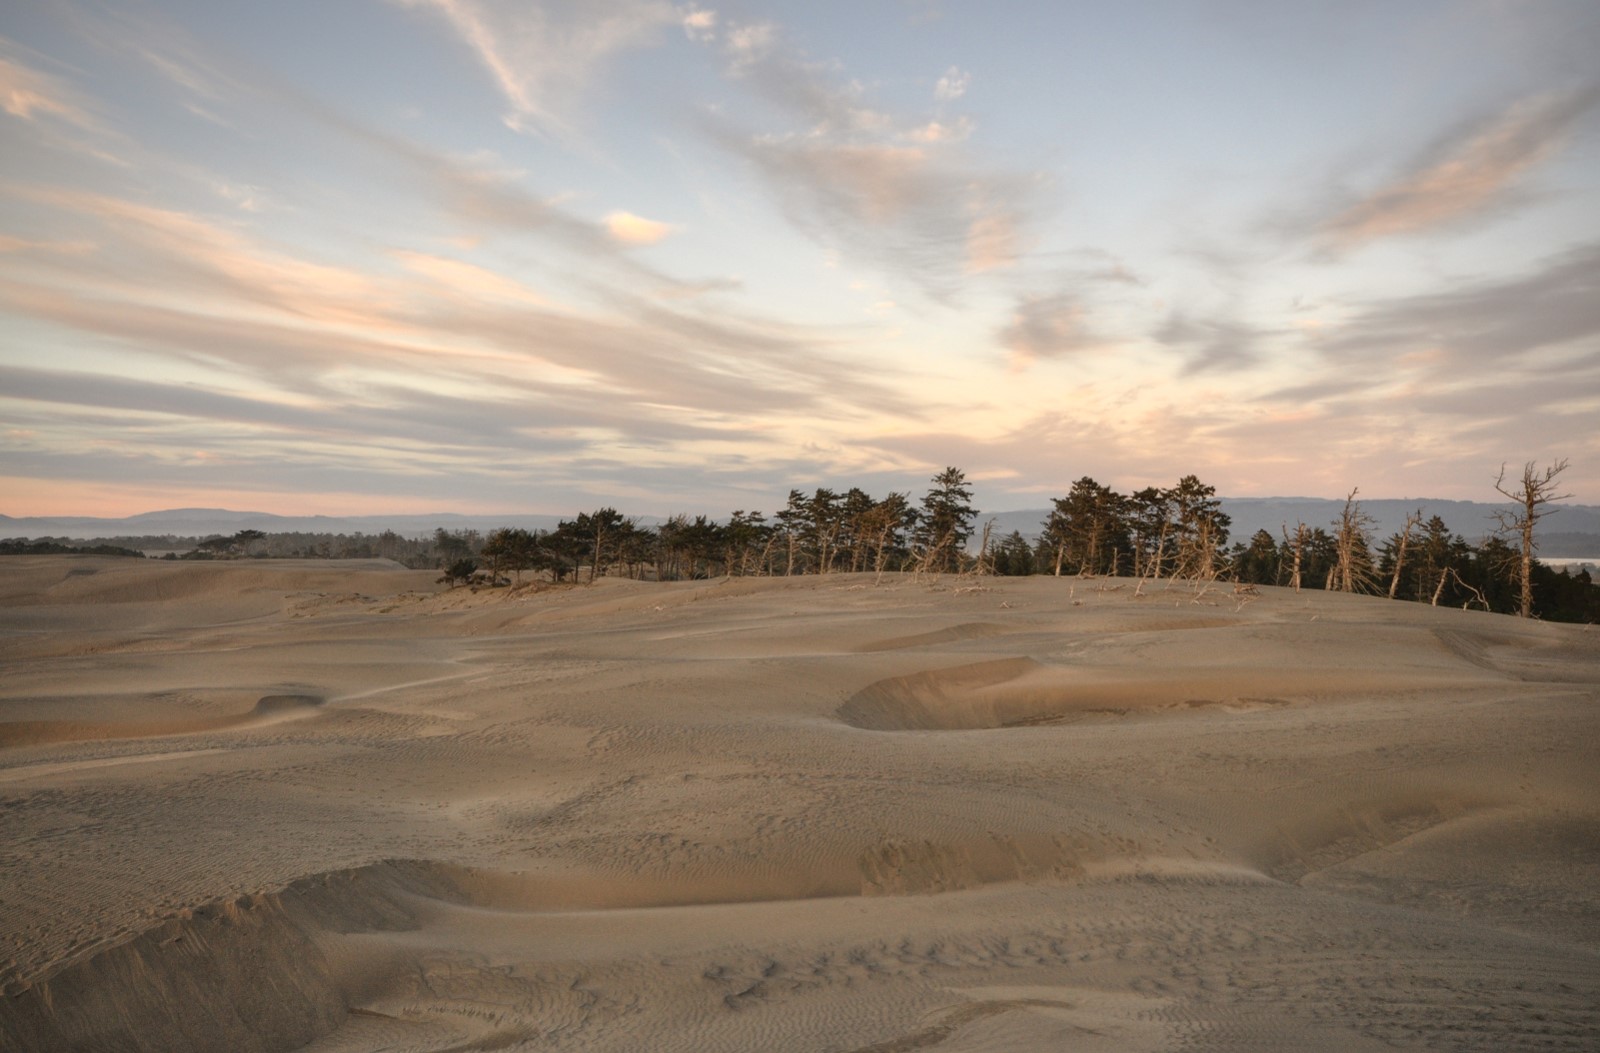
(204,522)
(1570,530)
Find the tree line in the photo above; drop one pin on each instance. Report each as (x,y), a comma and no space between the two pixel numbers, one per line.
(1181,532)
(820,532)
(1153,534)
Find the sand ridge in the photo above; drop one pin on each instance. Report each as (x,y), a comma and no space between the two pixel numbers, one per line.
(279,806)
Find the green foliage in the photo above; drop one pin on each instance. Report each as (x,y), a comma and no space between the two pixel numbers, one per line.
(460,572)
(1088,530)
(1013,556)
(945,524)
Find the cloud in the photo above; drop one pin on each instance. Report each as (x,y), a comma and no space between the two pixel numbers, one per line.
(1058,325)
(443,343)
(636,230)
(1211,343)
(1484,324)
(952,85)
(1070,319)
(897,193)
(542,56)
(941,131)
(31,95)
(242,195)
(39,98)
(894,206)
(1416,389)
(1046,327)
(1470,170)
(700,25)
(747,43)
(471,282)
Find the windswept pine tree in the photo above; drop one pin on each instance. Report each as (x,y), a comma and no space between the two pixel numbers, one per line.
(945,524)
(1087,530)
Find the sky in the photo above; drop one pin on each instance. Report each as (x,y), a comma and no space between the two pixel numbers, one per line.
(381,256)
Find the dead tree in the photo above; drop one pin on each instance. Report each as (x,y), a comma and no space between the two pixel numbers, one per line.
(1413,520)
(1298,544)
(985,557)
(1353,569)
(1535,490)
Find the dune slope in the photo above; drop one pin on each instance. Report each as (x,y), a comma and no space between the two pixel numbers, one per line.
(327,807)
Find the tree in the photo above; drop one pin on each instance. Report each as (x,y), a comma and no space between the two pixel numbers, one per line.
(791,525)
(945,524)
(1535,490)
(746,533)
(460,572)
(632,545)
(1258,562)
(858,506)
(1394,551)
(1150,519)
(1440,556)
(496,553)
(1088,526)
(513,549)
(883,527)
(237,545)
(1294,548)
(1013,556)
(1353,555)
(452,546)
(1202,528)
(595,531)
(824,512)
(705,541)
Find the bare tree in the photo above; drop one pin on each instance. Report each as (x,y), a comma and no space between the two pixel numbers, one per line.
(1413,520)
(985,555)
(1298,546)
(1535,490)
(1353,570)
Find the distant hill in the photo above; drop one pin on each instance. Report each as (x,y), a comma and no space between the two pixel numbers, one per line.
(1573,531)
(203,522)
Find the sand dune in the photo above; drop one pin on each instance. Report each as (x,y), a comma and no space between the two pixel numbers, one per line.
(273,806)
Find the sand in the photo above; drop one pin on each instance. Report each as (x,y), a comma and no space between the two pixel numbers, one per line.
(328,806)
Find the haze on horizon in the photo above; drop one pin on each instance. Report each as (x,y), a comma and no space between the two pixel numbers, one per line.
(478,256)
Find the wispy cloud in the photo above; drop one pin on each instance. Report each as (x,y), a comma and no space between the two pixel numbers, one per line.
(467,280)
(33,95)
(541,56)
(1485,323)
(1045,327)
(1442,385)
(438,345)
(1210,344)
(899,193)
(1472,169)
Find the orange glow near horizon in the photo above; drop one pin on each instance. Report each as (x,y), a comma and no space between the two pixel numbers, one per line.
(57,499)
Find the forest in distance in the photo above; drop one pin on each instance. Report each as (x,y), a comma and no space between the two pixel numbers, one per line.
(1156,533)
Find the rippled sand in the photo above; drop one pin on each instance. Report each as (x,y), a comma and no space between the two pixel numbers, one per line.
(271,806)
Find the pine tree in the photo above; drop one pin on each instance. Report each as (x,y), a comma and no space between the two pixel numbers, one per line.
(945,525)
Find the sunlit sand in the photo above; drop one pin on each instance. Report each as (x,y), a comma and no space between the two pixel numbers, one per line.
(285,805)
